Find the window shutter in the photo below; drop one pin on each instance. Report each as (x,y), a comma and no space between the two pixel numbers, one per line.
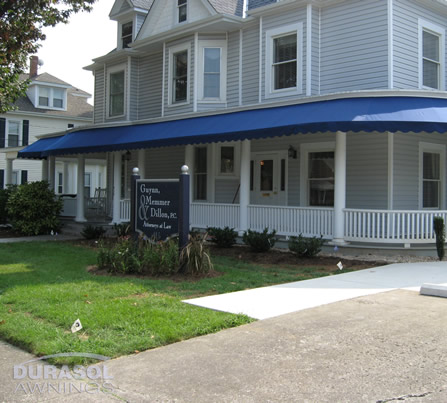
(2,178)
(24,177)
(2,132)
(25,133)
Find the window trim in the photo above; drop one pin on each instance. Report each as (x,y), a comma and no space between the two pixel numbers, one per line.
(213,44)
(305,150)
(110,71)
(172,51)
(20,134)
(432,148)
(270,36)
(424,25)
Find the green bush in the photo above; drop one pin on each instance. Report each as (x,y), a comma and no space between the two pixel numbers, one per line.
(259,241)
(4,197)
(306,247)
(92,232)
(439,227)
(195,258)
(223,237)
(33,209)
(122,229)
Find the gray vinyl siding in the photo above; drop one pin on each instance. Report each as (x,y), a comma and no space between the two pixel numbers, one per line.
(354,46)
(315,51)
(165,162)
(150,88)
(134,89)
(189,107)
(278,21)
(250,66)
(226,190)
(233,69)
(406,63)
(99,97)
(367,171)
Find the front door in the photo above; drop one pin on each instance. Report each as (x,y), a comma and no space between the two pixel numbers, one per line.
(268,179)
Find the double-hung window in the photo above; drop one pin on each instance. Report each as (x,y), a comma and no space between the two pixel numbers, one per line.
(116,93)
(13,133)
(182,10)
(179,74)
(283,61)
(431,55)
(126,34)
(212,71)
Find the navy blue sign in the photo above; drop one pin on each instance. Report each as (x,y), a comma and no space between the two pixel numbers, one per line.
(157,208)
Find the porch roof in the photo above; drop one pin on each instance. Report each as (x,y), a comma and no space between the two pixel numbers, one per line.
(382,113)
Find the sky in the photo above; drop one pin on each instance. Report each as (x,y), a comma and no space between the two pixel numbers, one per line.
(68,48)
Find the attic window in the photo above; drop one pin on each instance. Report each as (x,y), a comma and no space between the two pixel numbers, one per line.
(182,6)
(126,34)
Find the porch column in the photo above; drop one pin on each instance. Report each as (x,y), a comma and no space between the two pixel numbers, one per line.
(244,191)
(8,172)
(189,161)
(80,212)
(45,170)
(340,188)
(116,217)
(52,172)
(142,163)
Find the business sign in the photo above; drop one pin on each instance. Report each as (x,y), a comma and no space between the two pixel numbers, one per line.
(157,207)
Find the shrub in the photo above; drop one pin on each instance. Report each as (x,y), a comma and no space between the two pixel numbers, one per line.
(223,238)
(439,227)
(306,247)
(195,258)
(259,241)
(92,232)
(122,229)
(4,197)
(33,209)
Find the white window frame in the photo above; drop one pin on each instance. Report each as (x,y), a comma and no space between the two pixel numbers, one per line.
(432,148)
(51,98)
(110,71)
(271,35)
(177,13)
(172,51)
(222,45)
(305,150)
(237,158)
(434,29)
(20,139)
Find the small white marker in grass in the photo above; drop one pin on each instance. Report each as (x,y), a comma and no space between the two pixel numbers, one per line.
(76,326)
(340,265)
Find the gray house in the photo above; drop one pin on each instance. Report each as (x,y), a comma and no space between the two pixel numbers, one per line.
(305,116)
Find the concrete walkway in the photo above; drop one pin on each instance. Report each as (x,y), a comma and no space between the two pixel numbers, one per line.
(268,302)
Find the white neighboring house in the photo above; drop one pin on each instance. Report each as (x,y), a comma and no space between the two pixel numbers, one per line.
(51,106)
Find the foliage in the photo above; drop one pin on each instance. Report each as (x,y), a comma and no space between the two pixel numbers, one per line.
(34,209)
(259,241)
(223,237)
(92,232)
(4,197)
(439,227)
(122,229)
(21,30)
(195,258)
(306,247)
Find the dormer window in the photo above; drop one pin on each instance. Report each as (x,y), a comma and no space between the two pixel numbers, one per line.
(182,6)
(53,98)
(126,34)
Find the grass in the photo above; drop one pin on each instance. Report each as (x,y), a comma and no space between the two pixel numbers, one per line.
(44,288)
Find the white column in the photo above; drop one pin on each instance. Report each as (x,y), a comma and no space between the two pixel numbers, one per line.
(80,213)
(45,170)
(244,191)
(189,161)
(340,188)
(142,163)
(116,217)
(8,171)
(52,172)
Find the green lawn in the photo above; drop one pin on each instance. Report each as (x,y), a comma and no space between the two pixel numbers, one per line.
(44,288)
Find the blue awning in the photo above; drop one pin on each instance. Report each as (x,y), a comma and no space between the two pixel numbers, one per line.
(403,114)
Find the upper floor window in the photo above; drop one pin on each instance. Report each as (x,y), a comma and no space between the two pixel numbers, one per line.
(116,93)
(212,71)
(179,75)
(182,10)
(431,55)
(283,58)
(126,34)
(51,97)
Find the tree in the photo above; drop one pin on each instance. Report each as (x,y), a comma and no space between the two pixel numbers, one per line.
(21,24)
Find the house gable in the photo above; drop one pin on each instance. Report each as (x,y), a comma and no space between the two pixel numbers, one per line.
(163,16)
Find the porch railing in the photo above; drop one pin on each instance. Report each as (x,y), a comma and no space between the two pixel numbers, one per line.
(203,215)
(393,226)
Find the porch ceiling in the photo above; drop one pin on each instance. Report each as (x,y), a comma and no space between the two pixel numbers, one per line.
(368,114)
